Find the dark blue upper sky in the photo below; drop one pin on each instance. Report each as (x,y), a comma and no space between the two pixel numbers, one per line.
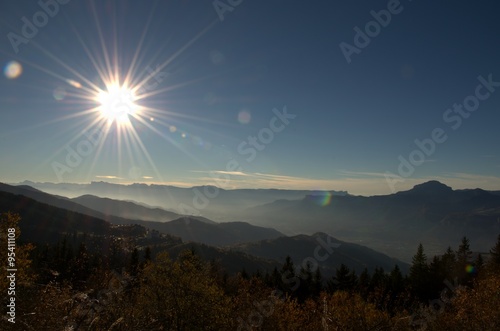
(352,125)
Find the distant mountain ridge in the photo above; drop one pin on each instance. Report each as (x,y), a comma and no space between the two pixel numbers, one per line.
(431,213)
(42,222)
(189,228)
(224,205)
(126,209)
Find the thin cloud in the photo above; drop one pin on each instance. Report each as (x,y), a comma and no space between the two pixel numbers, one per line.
(231,173)
(108,177)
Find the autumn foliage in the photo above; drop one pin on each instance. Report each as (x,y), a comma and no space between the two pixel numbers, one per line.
(67,286)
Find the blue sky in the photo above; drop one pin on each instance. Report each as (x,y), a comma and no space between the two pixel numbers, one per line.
(220,81)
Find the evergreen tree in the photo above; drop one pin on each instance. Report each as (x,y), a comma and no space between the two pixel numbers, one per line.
(478,263)
(378,279)
(419,274)
(494,261)
(289,280)
(306,283)
(464,257)
(275,280)
(436,276)
(364,283)
(396,280)
(344,280)
(448,262)
(317,284)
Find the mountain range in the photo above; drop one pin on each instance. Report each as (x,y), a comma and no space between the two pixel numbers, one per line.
(45,220)
(431,213)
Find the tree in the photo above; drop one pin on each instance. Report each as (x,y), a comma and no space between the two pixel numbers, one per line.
(464,256)
(181,295)
(274,280)
(419,272)
(11,248)
(289,280)
(364,283)
(317,283)
(448,262)
(479,263)
(344,279)
(306,284)
(472,308)
(396,280)
(495,255)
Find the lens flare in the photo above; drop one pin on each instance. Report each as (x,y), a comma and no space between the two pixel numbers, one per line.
(59,93)
(244,117)
(13,70)
(322,198)
(470,269)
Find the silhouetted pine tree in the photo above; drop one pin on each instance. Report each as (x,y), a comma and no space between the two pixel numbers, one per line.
(290,282)
(464,257)
(378,279)
(344,280)
(495,255)
(364,283)
(306,283)
(317,284)
(479,263)
(419,275)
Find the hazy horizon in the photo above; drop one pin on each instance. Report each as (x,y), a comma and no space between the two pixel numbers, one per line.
(411,184)
(306,99)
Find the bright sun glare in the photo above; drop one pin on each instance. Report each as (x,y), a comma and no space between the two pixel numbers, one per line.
(117,104)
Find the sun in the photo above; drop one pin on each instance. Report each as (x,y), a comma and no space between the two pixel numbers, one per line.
(117,104)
